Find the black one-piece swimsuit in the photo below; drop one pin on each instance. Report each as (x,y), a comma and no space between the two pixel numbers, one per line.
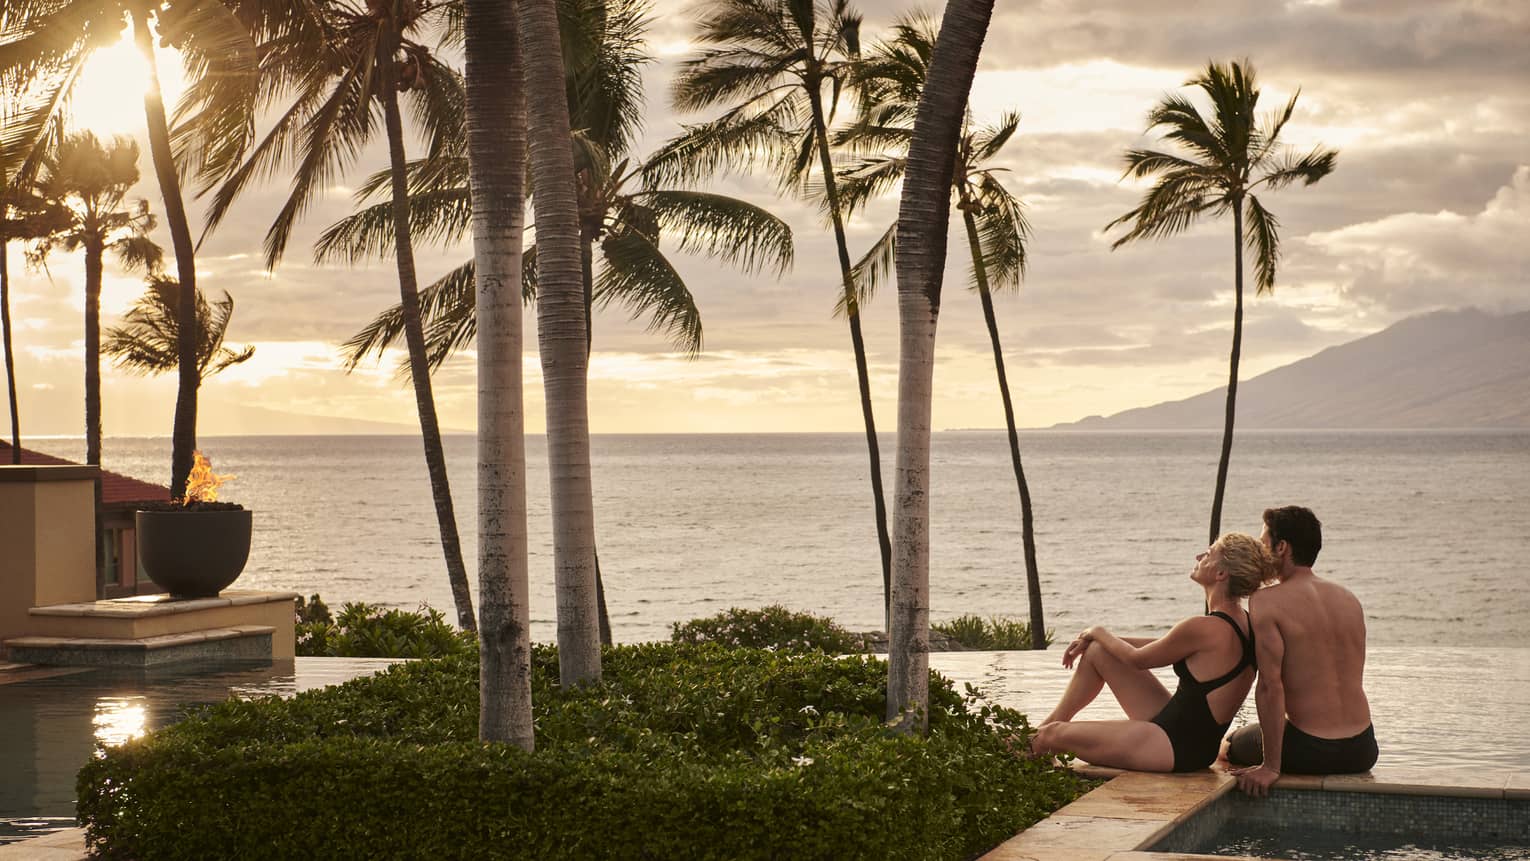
(1194,733)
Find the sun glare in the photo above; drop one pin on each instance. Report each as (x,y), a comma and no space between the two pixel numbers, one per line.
(108,98)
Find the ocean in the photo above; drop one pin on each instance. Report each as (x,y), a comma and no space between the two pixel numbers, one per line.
(1430,529)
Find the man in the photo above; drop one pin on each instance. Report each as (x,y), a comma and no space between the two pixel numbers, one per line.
(1310,648)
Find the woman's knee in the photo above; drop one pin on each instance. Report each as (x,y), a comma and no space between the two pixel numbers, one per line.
(1048,737)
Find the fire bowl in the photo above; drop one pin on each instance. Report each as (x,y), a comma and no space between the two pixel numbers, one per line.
(193,554)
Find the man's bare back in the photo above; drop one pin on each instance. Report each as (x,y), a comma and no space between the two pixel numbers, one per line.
(1310,650)
(1322,628)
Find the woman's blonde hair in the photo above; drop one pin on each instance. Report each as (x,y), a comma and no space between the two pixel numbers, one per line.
(1246,561)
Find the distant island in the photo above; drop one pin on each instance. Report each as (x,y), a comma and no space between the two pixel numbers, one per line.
(1449,369)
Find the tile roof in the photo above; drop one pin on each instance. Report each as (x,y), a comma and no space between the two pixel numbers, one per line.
(116,489)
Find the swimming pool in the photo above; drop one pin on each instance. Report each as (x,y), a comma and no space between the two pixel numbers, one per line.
(52,718)
(1345,826)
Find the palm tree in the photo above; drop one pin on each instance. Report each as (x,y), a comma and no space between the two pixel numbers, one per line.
(24,216)
(602,45)
(149,340)
(496,139)
(891,79)
(780,67)
(562,339)
(334,65)
(923,215)
(629,225)
(45,44)
(1223,160)
(91,181)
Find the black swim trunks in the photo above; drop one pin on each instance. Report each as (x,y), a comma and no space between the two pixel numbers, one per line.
(1302,753)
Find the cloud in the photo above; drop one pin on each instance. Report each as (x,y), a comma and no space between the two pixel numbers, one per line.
(1413,261)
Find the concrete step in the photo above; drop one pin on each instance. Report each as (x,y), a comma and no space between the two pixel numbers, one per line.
(234,642)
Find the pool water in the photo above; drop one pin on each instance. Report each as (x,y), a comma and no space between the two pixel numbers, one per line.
(52,720)
(1340,826)
(1266,841)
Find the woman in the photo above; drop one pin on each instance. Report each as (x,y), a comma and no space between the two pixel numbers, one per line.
(1167,733)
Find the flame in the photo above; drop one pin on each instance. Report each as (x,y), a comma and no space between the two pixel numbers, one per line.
(202,485)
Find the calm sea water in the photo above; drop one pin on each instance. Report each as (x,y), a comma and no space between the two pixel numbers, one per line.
(1429,529)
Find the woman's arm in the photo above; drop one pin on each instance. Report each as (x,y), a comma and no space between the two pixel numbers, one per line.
(1183,640)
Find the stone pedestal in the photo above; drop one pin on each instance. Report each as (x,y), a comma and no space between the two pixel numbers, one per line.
(48,611)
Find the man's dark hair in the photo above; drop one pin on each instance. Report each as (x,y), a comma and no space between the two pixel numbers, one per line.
(1298,527)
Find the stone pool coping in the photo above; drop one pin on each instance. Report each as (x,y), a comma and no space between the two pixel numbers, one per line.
(1135,809)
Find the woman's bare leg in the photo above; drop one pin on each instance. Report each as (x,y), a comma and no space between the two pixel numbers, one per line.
(1131,744)
(1139,692)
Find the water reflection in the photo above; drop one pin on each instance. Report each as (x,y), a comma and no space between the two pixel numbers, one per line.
(120,718)
(52,725)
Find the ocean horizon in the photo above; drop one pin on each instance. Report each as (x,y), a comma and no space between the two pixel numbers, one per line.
(1426,527)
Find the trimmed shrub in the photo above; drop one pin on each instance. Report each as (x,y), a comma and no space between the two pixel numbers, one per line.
(995,633)
(373,631)
(681,752)
(773,627)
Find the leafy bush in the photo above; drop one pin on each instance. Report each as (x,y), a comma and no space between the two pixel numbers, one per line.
(773,627)
(372,631)
(680,752)
(992,634)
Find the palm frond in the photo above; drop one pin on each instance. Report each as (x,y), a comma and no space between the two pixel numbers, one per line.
(989,140)
(1002,234)
(723,227)
(859,182)
(1142,163)
(1186,126)
(1169,207)
(637,275)
(434,217)
(1262,234)
(728,144)
(874,267)
(1307,169)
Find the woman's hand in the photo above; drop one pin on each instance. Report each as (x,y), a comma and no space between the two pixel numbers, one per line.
(1077,648)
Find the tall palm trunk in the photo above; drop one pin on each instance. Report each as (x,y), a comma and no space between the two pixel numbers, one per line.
(496,120)
(184,434)
(862,376)
(923,216)
(1232,376)
(587,276)
(10,357)
(93,252)
(563,342)
(414,337)
(1027,518)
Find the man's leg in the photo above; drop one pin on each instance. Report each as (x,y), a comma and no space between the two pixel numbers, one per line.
(1139,692)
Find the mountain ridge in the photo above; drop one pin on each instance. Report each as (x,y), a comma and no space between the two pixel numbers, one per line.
(1447,369)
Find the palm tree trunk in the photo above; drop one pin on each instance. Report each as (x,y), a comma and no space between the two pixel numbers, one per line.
(93,252)
(10,357)
(1232,375)
(1027,517)
(496,129)
(587,275)
(414,337)
(858,344)
(184,433)
(923,216)
(563,342)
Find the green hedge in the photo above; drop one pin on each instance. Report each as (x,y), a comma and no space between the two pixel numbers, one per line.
(373,631)
(995,633)
(772,627)
(682,752)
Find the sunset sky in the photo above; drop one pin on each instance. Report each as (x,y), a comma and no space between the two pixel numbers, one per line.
(1427,101)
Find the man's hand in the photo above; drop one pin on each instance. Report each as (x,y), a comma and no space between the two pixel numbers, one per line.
(1256,780)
